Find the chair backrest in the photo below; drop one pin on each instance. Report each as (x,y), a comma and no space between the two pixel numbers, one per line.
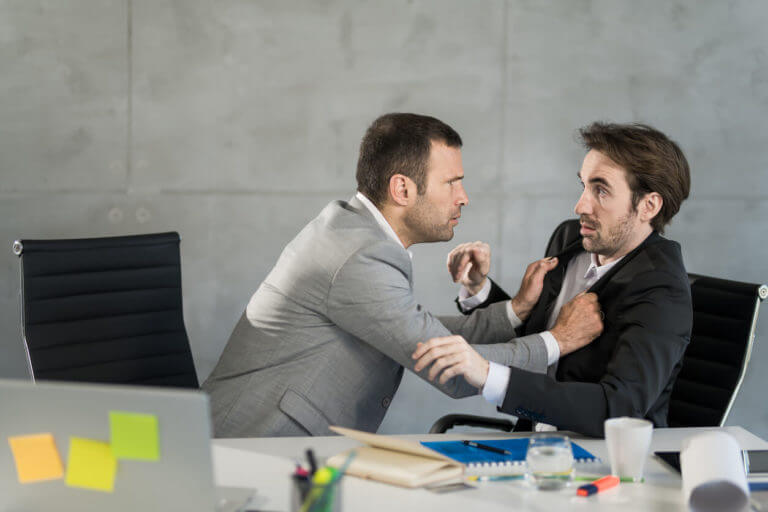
(105,310)
(714,365)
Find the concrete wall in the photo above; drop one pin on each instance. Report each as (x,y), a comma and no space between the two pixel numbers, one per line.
(234,122)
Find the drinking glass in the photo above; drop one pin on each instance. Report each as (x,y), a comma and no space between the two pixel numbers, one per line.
(550,461)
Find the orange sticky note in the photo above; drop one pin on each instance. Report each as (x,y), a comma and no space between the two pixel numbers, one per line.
(37,458)
(91,465)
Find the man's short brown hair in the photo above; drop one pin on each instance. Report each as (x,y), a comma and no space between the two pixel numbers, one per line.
(399,144)
(652,161)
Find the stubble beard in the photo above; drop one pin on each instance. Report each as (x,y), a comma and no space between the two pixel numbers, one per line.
(424,227)
(614,240)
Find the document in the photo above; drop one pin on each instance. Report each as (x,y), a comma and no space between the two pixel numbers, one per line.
(396,461)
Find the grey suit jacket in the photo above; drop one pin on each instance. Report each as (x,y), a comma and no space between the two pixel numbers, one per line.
(324,339)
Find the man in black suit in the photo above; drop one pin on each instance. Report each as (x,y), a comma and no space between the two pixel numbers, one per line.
(634,179)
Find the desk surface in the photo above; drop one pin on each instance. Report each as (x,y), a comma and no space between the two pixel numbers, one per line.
(266,464)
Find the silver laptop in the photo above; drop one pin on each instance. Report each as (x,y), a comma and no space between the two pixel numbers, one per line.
(181,479)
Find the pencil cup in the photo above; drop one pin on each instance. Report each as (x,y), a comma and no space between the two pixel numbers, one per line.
(324,495)
(628,441)
(550,461)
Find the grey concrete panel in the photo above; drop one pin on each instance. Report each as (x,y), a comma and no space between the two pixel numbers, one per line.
(697,71)
(63,95)
(723,237)
(243,95)
(528,222)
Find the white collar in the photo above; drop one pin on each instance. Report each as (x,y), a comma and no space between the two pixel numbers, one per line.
(595,267)
(380,219)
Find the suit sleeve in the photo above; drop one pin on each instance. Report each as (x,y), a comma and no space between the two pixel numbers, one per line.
(494,338)
(371,298)
(654,323)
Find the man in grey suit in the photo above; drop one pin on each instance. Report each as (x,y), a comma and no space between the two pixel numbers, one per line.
(324,339)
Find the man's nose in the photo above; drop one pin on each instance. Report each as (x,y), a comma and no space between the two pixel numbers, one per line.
(583,205)
(463,199)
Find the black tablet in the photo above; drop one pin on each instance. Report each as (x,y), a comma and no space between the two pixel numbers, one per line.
(671,458)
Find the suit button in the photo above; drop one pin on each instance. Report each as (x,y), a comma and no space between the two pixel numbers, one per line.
(386,401)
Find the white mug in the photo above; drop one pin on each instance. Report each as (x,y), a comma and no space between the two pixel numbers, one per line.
(628,440)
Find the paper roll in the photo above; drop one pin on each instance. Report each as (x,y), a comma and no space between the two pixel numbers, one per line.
(713,473)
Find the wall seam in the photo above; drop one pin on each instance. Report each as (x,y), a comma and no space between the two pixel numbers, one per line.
(129,102)
(502,141)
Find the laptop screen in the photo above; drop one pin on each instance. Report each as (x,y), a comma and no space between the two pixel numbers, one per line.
(93,447)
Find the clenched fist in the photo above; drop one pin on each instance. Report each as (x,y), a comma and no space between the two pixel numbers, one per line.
(469,265)
(580,321)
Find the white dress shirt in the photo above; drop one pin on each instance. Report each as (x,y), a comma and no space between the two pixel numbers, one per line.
(583,271)
(381,220)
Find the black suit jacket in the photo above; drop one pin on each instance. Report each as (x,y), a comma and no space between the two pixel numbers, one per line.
(630,368)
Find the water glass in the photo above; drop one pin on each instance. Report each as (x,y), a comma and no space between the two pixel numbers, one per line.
(550,461)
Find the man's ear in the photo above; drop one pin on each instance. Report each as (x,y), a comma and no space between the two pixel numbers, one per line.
(402,189)
(650,206)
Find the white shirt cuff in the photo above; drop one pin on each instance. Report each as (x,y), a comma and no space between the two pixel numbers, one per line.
(513,318)
(553,349)
(495,388)
(467,301)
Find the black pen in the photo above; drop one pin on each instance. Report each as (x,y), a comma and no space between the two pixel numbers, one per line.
(311,460)
(487,448)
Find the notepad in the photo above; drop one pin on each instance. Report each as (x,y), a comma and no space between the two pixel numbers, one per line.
(479,461)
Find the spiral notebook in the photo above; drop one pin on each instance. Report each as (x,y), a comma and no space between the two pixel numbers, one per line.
(479,461)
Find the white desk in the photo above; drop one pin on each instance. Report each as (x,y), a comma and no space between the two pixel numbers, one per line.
(266,464)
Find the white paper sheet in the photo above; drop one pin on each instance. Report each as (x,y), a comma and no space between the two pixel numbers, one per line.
(713,474)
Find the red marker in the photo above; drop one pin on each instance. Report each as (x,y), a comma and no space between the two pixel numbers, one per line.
(599,485)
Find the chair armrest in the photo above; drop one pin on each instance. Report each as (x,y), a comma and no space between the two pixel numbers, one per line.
(453,420)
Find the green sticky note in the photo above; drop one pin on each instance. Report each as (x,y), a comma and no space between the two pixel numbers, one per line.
(91,465)
(134,435)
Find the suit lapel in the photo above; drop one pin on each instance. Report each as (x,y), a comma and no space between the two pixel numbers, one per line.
(604,281)
(553,282)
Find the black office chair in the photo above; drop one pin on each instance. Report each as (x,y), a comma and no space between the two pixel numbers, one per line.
(105,310)
(714,364)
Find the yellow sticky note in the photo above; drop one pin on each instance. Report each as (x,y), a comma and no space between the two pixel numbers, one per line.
(91,465)
(37,458)
(134,435)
